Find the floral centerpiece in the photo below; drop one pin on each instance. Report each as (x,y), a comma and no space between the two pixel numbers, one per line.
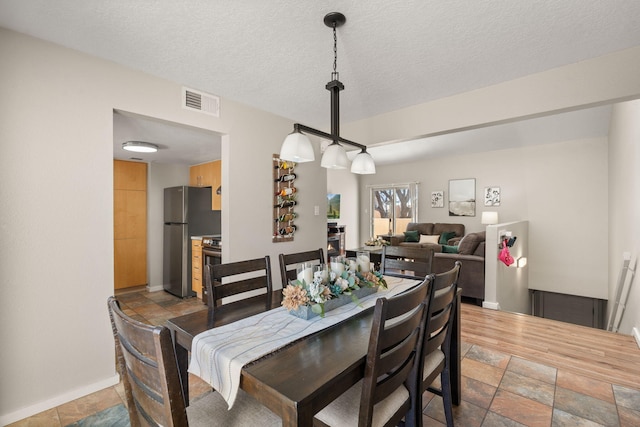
(319,288)
(377,241)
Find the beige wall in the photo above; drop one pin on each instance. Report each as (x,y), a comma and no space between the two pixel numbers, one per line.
(624,205)
(56,221)
(551,186)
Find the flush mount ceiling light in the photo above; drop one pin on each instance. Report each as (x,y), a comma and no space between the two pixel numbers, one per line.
(140,147)
(297,147)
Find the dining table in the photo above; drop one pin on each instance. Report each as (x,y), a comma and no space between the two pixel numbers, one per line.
(298,380)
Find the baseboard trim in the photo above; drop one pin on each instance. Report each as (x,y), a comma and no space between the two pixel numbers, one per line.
(491,305)
(155,288)
(636,334)
(63,398)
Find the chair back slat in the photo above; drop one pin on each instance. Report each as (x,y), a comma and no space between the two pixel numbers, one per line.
(149,371)
(393,349)
(288,263)
(437,338)
(234,278)
(404,261)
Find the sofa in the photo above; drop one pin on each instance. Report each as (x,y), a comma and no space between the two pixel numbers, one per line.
(468,249)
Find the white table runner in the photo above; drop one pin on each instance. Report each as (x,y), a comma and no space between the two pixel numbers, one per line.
(218,355)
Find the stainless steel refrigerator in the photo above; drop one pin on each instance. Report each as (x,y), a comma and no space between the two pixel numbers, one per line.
(187,212)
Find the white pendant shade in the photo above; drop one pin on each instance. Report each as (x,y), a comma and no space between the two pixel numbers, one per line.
(297,148)
(335,157)
(363,164)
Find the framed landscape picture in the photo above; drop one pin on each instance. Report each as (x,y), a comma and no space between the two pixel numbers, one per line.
(333,206)
(462,197)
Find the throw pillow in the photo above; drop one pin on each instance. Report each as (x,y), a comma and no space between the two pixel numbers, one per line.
(449,249)
(444,237)
(468,244)
(411,236)
(426,238)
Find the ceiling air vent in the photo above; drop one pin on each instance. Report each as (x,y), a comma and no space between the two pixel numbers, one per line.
(200,101)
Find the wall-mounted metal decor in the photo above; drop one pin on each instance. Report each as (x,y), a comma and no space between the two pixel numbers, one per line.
(284,200)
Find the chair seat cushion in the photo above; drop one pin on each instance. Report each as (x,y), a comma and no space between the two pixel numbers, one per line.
(431,362)
(345,409)
(212,410)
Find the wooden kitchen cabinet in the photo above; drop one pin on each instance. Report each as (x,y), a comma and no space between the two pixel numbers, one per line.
(129,175)
(129,223)
(208,175)
(197,280)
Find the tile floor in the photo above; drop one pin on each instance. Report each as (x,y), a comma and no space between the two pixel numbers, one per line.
(498,389)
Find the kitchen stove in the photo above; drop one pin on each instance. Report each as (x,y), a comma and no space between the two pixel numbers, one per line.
(211,254)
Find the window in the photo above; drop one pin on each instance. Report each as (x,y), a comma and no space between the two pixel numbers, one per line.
(393,207)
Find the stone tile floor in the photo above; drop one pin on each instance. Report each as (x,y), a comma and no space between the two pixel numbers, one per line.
(498,389)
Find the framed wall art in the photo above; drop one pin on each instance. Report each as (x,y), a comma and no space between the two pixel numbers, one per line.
(437,199)
(462,197)
(492,196)
(333,206)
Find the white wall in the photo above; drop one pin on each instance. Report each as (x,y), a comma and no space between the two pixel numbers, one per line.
(56,169)
(345,183)
(624,205)
(551,186)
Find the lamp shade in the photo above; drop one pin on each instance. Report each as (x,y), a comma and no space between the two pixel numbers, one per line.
(489,218)
(334,157)
(363,164)
(140,147)
(297,148)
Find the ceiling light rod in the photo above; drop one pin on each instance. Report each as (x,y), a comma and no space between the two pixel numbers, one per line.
(297,127)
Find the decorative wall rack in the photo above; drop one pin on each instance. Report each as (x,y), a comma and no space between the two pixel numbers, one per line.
(284,200)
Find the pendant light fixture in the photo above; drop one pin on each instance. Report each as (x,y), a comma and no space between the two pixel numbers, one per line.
(297,147)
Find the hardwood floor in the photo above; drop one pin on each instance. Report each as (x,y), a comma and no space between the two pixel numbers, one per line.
(589,352)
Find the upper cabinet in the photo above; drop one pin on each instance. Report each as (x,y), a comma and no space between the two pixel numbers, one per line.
(208,175)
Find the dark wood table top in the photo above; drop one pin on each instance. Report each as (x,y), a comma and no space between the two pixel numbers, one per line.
(299,380)
(187,326)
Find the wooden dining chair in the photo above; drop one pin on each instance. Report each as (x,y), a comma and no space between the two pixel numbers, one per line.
(383,397)
(435,355)
(148,369)
(288,263)
(404,261)
(234,278)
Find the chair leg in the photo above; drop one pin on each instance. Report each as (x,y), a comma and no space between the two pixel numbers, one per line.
(445,381)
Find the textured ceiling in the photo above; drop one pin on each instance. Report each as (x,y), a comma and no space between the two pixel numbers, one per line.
(277,55)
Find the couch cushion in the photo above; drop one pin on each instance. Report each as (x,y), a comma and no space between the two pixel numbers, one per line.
(425,238)
(449,249)
(469,243)
(421,227)
(445,236)
(411,236)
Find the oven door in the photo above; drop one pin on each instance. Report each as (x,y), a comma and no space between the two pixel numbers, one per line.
(209,256)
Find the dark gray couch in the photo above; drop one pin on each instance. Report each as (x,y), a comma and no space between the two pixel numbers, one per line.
(471,252)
